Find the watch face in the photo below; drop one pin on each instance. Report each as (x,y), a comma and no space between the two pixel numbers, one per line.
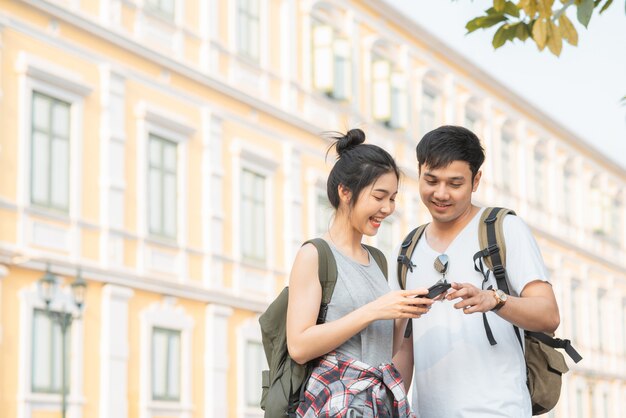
(502,296)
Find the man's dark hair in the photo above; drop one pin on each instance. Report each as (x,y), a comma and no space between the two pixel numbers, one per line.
(448,143)
(358,165)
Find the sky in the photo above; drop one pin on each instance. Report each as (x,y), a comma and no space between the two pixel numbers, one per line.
(581,89)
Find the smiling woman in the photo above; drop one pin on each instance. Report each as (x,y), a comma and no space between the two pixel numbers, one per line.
(357,336)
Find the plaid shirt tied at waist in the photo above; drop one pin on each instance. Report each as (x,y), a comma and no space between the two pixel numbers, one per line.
(336,380)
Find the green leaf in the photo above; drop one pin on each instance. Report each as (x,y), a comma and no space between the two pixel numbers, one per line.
(540,33)
(606,6)
(568,31)
(483,22)
(522,31)
(584,12)
(500,37)
(512,10)
(499,5)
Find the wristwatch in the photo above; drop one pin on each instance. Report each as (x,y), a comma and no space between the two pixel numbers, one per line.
(501,299)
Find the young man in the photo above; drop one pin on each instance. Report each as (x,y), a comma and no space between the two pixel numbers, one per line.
(457,373)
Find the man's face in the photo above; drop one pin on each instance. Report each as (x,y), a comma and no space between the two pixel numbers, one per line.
(447,191)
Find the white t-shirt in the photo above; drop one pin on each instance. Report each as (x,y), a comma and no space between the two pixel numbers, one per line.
(457,373)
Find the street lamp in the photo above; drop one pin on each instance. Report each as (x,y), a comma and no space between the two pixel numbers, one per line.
(48,286)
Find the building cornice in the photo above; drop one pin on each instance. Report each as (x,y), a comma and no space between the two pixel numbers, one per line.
(130,45)
(63,266)
(387,11)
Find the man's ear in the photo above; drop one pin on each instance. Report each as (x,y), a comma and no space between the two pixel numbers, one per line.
(345,195)
(476,180)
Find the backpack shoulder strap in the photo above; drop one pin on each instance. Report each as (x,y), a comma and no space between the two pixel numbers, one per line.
(380,258)
(327,272)
(406,252)
(492,243)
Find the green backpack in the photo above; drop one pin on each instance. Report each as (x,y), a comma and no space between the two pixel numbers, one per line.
(545,365)
(283,383)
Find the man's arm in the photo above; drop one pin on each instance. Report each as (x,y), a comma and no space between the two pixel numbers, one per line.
(535,310)
(403,361)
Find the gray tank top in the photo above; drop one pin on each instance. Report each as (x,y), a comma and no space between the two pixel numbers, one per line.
(357,285)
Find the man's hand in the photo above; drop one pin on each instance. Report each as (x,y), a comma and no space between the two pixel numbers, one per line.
(472,298)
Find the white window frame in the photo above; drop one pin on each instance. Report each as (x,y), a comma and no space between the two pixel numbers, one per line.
(320,192)
(249,332)
(255,176)
(165,315)
(331,61)
(29,401)
(507,165)
(569,193)
(248,156)
(38,75)
(429,90)
(152,120)
(160,231)
(155,6)
(53,163)
(246,54)
(388,84)
(540,188)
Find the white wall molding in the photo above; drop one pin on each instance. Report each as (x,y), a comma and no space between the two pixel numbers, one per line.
(114,352)
(217,360)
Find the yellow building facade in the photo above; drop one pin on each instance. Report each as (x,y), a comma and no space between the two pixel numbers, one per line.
(170,150)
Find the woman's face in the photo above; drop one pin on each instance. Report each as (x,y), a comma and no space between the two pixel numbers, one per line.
(374,203)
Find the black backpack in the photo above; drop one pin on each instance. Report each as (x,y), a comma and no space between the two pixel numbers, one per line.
(545,365)
(285,380)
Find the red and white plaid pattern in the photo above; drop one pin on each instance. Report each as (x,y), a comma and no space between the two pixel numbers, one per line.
(337,379)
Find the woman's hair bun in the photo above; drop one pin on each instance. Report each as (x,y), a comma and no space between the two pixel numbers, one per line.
(350,140)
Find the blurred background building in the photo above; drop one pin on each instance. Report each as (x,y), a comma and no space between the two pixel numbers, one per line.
(169,153)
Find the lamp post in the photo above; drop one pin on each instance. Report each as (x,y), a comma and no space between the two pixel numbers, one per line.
(48,286)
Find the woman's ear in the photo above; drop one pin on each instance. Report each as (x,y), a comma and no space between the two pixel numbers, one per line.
(345,195)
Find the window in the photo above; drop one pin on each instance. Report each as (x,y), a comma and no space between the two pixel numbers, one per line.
(248,28)
(47,348)
(385,238)
(606,405)
(166,364)
(599,318)
(539,177)
(506,161)
(253,215)
(428,113)
(580,412)
(162,190)
(164,8)
(389,98)
(50,144)
(595,200)
(569,194)
(574,310)
(616,218)
(255,362)
(624,326)
(472,115)
(331,62)
(323,214)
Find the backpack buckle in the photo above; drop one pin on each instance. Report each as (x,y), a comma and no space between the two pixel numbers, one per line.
(492,249)
(403,259)
(498,270)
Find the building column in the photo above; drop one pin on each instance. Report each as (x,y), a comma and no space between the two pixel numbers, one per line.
(114,352)
(216,398)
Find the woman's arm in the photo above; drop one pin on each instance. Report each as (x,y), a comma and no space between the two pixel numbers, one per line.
(305,339)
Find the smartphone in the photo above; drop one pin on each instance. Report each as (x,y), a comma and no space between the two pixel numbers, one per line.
(435,290)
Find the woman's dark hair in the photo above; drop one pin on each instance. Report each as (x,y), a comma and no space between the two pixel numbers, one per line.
(358,165)
(441,146)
